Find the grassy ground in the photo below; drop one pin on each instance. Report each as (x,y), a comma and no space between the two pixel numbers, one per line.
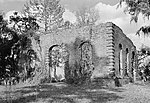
(58,93)
(64,93)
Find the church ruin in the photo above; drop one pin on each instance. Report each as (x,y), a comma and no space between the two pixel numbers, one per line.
(103,48)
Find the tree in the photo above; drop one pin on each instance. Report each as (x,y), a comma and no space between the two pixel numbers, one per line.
(136,7)
(22,24)
(15,42)
(7,39)
(47,12)
(87,16)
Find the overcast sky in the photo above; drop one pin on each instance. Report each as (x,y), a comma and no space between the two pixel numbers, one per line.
(106,8)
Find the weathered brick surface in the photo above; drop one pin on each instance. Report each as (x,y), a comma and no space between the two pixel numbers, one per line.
(104,39)
(121,38)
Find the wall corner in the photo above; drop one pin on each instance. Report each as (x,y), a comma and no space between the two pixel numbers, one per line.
(110,46)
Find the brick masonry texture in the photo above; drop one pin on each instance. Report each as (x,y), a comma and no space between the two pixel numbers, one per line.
(105,39)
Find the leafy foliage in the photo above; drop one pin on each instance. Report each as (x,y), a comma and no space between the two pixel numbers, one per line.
(134,8)
(87,16)
(84,67)
(144,29)
(47,12)
(59,55)
(15,43)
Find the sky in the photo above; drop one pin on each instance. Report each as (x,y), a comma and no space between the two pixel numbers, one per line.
(108,13)
(8,5)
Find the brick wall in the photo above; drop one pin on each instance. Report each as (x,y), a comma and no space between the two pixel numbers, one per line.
(104,39)
(127,47)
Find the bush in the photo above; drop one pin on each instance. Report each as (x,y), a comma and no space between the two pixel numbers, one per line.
(45,80)
(79,79)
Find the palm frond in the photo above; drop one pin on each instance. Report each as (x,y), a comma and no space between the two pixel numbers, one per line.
(145,30)
(135,7)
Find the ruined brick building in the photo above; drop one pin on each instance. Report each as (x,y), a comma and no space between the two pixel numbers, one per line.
(103,47)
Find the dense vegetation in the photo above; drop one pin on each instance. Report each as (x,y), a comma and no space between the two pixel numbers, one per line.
(15,43)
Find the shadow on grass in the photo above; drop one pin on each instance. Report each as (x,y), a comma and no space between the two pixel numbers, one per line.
(142,83)
(63,93)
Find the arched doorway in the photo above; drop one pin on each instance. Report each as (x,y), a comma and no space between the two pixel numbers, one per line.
(59,56)
(86,58)
(120,60)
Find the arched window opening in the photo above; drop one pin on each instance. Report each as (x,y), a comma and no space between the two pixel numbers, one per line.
(132,63)
(120,60)
(127,62)
(86,58)
(58,58)
(120,46)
